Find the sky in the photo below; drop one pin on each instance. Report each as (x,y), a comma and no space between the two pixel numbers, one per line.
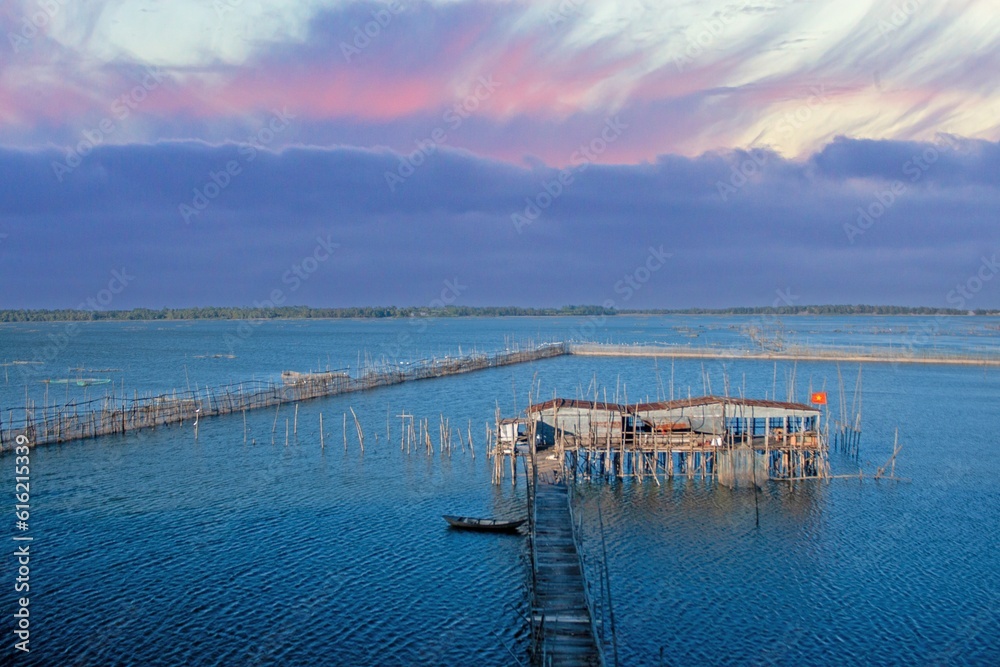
(493,152)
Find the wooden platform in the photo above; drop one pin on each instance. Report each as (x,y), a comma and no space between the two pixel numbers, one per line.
(561,615)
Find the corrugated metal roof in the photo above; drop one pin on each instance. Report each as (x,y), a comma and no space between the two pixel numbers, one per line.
(670,405)
(574,403)
(711,400)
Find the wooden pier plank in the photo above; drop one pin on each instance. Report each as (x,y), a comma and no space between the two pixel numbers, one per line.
(562,619)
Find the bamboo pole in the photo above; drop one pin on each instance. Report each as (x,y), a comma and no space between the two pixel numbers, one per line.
(274,427)
(513,465)
(149,411)
(357,425)
(441,434)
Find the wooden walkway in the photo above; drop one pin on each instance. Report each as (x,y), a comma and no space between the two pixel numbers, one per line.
(562,622)
(985,356)
(114,414)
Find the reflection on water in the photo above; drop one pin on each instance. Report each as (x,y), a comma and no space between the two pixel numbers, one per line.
(836,573)
(159,549)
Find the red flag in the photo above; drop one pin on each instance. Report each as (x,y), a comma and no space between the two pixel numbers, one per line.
(819,398)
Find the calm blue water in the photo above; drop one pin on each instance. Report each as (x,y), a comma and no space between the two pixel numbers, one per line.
(159,549)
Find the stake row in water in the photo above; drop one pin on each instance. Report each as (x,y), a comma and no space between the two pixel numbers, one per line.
(114,413)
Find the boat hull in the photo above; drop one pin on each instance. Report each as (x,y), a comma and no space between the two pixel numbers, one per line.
(482,524)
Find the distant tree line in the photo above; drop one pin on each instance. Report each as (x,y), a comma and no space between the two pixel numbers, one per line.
(290,312)
(813,310)
(377,312)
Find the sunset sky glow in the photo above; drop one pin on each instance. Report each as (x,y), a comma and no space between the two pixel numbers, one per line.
(847,151)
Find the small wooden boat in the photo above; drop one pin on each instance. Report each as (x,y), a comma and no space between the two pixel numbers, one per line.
(487,525)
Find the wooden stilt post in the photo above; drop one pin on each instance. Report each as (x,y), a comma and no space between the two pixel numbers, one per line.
(357,425)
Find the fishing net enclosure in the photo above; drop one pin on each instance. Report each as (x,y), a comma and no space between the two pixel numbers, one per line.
(740,467)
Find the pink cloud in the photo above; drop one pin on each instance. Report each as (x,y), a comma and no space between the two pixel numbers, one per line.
(317,94)
(553,96)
